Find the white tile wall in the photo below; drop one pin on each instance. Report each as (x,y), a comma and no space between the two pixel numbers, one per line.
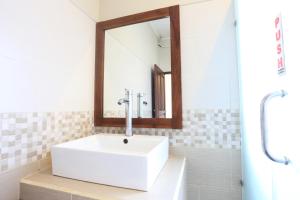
(212,174)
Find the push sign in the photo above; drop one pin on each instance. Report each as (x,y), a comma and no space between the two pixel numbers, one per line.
(279,46)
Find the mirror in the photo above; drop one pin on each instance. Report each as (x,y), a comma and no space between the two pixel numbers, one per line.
(138,57)
(140,53)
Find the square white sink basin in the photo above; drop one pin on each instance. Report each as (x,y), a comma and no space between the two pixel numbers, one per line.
(108,159)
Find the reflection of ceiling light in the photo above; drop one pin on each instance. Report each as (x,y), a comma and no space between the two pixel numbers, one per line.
(164,42)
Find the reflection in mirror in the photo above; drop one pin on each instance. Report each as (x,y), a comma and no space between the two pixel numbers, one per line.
(138,57)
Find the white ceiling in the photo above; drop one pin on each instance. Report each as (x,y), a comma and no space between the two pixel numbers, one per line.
(161,28)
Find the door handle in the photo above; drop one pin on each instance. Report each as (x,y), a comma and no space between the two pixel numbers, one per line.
(280,93)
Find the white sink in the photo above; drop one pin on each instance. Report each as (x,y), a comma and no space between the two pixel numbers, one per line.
(106,159)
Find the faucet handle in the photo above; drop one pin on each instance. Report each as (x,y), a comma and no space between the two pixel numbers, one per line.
(123,100)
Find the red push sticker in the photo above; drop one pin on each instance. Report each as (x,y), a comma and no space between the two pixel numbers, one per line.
(279,46)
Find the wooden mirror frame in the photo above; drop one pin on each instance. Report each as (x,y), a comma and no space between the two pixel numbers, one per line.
(176,121)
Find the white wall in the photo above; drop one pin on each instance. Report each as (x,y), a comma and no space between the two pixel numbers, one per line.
(46,56)
(130,53)
(90,7)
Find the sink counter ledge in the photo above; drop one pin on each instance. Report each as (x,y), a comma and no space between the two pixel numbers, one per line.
(168,186)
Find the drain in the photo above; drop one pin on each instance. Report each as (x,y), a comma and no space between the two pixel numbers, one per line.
(125,141)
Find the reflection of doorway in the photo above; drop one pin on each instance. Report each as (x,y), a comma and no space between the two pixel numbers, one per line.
(158,93)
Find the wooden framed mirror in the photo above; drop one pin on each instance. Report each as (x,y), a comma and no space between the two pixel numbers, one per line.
(140,51)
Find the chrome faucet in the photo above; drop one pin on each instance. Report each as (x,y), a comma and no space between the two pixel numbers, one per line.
(128,111)
(140,101)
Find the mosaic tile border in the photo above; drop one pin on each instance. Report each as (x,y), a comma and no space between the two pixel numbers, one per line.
(27,137)
(211,128)
(121,113)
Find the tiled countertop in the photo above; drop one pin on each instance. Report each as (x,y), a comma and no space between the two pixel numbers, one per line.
(166,187)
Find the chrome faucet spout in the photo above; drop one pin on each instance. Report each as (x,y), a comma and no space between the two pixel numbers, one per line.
(128,111)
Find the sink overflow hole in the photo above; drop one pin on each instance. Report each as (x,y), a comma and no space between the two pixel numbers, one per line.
(125,141)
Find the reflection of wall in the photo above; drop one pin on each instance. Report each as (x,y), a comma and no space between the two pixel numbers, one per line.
(130,53)
(164,59)
(210,95)
(139,40)
(168,95)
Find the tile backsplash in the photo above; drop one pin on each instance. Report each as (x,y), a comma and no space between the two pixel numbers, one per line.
(27,137)
(211,128)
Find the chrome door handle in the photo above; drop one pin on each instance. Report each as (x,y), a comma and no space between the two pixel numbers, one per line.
(281,93)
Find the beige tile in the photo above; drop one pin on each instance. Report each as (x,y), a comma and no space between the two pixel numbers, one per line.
(76,197)
(10,181)
(210,168)
(29,168)
(211,193)
(193,192)
(236,182)
(45,163)
(205,175)
(163,189)
(177,151)
(29,192)
(214,160)
(236,162)
(236,194)
(218,180)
